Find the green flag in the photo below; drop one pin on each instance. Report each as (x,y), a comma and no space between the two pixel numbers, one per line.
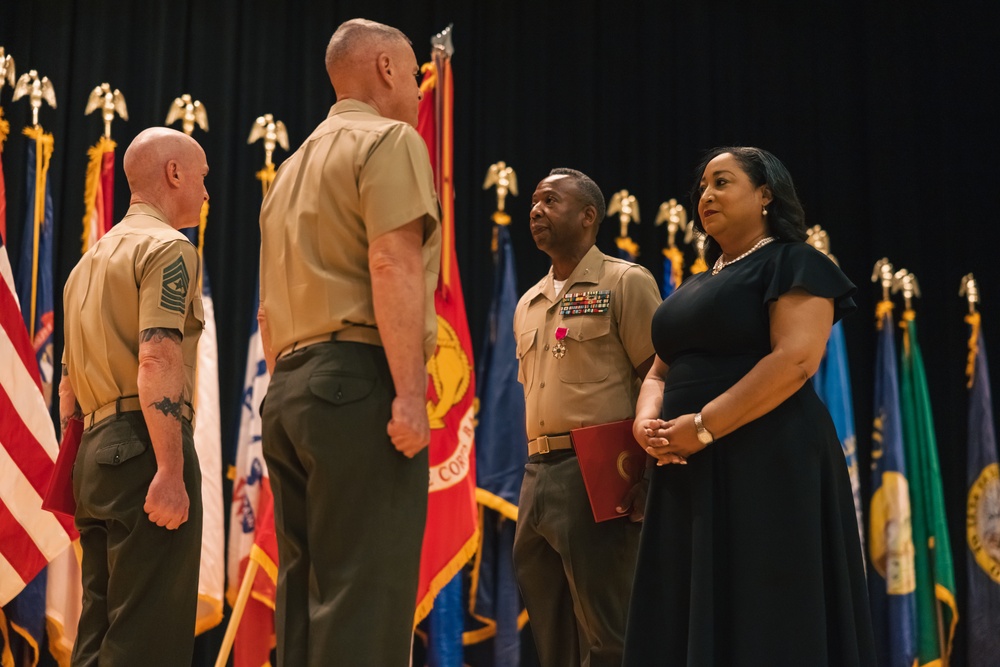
(937,612)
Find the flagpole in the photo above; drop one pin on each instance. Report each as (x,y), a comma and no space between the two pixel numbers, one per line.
(234,620)
(39,207)
(274,134)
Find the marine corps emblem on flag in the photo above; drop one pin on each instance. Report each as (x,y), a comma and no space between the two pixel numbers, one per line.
(981,526)
(450,373)
(175,286)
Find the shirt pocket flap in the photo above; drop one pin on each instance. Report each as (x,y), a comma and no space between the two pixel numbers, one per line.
(525,342)
(119,452)
(340,389)
(589,327)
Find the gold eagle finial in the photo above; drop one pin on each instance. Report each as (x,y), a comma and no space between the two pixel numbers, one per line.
(189,112)
(273,133)
(882,274)
(817,237)
(505,180)
(905,282)
(38,90)
(627,208)
(676,218)
(970,290)
(109,102)
(6,69)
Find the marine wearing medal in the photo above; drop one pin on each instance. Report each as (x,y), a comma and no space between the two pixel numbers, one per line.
(583,345)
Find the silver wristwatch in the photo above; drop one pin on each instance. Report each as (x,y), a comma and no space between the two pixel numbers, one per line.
(705,436)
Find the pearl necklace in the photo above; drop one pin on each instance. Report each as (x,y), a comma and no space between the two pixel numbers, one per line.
(720,264)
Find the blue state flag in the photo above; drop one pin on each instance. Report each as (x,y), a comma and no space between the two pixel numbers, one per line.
(891,575)
(23,620)
(982,513)
(34,270)
(501,452)
(833,384)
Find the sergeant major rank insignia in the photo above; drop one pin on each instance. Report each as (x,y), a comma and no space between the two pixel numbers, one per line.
(173,291)
(586,303)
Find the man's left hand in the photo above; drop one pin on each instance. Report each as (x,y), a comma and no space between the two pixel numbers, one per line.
(634,501)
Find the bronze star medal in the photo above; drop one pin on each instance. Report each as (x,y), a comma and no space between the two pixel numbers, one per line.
(559,349)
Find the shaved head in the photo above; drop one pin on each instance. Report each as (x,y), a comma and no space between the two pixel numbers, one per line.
(150,150)
(166,169)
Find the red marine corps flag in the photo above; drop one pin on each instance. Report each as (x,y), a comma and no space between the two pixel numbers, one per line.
(451,533)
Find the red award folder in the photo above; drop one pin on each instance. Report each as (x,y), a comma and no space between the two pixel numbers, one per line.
(611,462)
(59,496)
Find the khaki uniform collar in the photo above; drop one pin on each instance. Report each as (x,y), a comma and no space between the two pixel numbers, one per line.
(147,210)
(587,271)
(345,106)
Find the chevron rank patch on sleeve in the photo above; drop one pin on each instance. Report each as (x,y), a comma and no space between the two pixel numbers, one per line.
(174,289)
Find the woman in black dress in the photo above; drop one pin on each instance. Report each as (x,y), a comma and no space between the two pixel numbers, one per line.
(749,552)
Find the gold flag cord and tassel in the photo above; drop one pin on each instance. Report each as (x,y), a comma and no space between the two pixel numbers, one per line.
(44,144)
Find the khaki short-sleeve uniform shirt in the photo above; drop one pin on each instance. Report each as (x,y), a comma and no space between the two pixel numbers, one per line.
(606,307)
(142,274)
(357,176)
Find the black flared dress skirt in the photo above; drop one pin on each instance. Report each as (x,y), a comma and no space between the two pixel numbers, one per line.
(750,553)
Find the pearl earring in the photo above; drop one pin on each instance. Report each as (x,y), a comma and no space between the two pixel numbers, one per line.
(763,210)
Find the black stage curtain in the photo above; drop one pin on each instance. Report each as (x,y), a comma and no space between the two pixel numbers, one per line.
(876,109)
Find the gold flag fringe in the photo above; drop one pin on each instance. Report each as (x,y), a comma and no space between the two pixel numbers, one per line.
(676,258)
(970,366)
(628,245)
(881,310)
(96,155)
(4,129)
(909,315)
(266,178)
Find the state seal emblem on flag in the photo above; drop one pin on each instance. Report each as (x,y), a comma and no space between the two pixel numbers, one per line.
(981,525)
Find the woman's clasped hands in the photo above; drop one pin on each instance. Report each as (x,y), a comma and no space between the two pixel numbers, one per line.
(668,441)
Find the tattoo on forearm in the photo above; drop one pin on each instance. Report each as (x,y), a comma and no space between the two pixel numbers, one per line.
(168,407)
(157,334)
(65,371)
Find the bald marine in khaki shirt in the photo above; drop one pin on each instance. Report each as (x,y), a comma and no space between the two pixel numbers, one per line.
(133,316)
(350,254)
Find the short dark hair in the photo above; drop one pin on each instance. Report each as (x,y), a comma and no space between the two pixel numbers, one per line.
(585,185)
(355,32)
(786,220)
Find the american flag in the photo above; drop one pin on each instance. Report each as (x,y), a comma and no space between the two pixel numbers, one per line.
(30,537)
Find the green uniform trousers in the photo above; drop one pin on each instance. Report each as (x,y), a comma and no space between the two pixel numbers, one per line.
(349,510)
(575,574)
(140,581)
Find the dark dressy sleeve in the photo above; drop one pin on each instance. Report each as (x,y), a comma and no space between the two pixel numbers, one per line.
(799,265)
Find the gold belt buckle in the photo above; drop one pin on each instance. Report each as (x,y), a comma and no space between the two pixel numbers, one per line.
(543,444)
